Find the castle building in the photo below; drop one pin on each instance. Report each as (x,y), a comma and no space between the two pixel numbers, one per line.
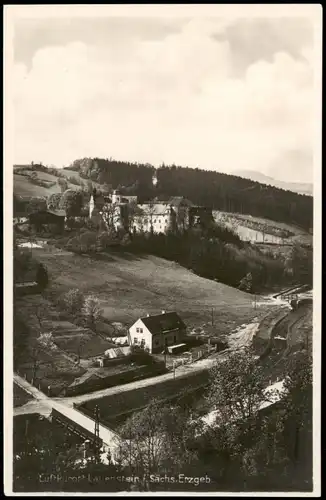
(157,216)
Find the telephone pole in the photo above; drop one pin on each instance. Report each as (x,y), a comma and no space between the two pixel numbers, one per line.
(97,433)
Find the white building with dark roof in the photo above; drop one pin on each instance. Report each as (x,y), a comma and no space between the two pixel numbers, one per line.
(155,333)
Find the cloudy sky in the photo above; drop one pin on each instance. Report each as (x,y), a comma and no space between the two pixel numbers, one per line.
(225,94)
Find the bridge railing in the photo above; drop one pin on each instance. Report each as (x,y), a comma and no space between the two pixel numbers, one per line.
(88,413)
(74,427)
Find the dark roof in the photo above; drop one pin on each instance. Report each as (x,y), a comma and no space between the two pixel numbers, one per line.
(47,215)
(174,200)
(179,200)
(163,322)
(60,213)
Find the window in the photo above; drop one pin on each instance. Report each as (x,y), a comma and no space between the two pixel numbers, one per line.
(157,342)
(137,330)
(175,338)
(140,330)
(135,340)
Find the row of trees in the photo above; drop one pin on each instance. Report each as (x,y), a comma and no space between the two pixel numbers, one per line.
(78,305)
(242,449)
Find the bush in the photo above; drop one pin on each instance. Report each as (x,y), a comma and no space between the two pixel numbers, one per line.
(73,301)
(74,180)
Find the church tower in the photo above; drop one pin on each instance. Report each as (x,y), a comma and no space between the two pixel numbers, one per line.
(116,196)
(91,206)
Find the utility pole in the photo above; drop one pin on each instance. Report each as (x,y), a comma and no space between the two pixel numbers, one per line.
(97,433)
(212,317)
(165,349)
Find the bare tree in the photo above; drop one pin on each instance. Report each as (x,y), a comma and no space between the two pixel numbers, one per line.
(92,310)
(155,439)
(236,390)
(73,301)
(110,215)
(35,351)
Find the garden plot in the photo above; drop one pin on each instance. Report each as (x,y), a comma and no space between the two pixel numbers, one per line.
(82,343)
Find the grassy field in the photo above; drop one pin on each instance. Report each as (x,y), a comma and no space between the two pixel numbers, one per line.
(129,287)
(24,187)
(53,369)
(87,344)
(115,409)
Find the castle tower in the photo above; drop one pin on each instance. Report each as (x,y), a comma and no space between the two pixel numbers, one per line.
(91,206)
(116,196)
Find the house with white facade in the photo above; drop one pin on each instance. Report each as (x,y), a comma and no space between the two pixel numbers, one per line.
(160,216)
(155,217)
(155,333)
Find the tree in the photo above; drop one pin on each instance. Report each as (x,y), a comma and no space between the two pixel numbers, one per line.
(74,245)
(133,211)
(72,202)
(88,241)
(35,204)
(54,201)
(297,402)
(92,310)
(107,188)
(21,334)
(110,215)
(246,283)
(155,440)
(105,239)
(73,301)
(34,355)
(42,277)
(89,185)
(182,217)
(236,389)
(301,263)
(23,263)
(62,183)
(33,177)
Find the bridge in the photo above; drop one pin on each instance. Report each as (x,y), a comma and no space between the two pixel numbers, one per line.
(69,417)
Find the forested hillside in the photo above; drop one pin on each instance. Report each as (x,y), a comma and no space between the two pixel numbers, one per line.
(216,190)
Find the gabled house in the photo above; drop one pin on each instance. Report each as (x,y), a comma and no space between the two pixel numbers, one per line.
(155,333)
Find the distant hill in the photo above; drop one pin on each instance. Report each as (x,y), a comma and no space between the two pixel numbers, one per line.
(296,187)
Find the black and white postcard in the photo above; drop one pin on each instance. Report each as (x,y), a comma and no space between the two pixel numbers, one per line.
(162,214)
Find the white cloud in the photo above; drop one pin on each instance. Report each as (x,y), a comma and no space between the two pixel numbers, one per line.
(171,100)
